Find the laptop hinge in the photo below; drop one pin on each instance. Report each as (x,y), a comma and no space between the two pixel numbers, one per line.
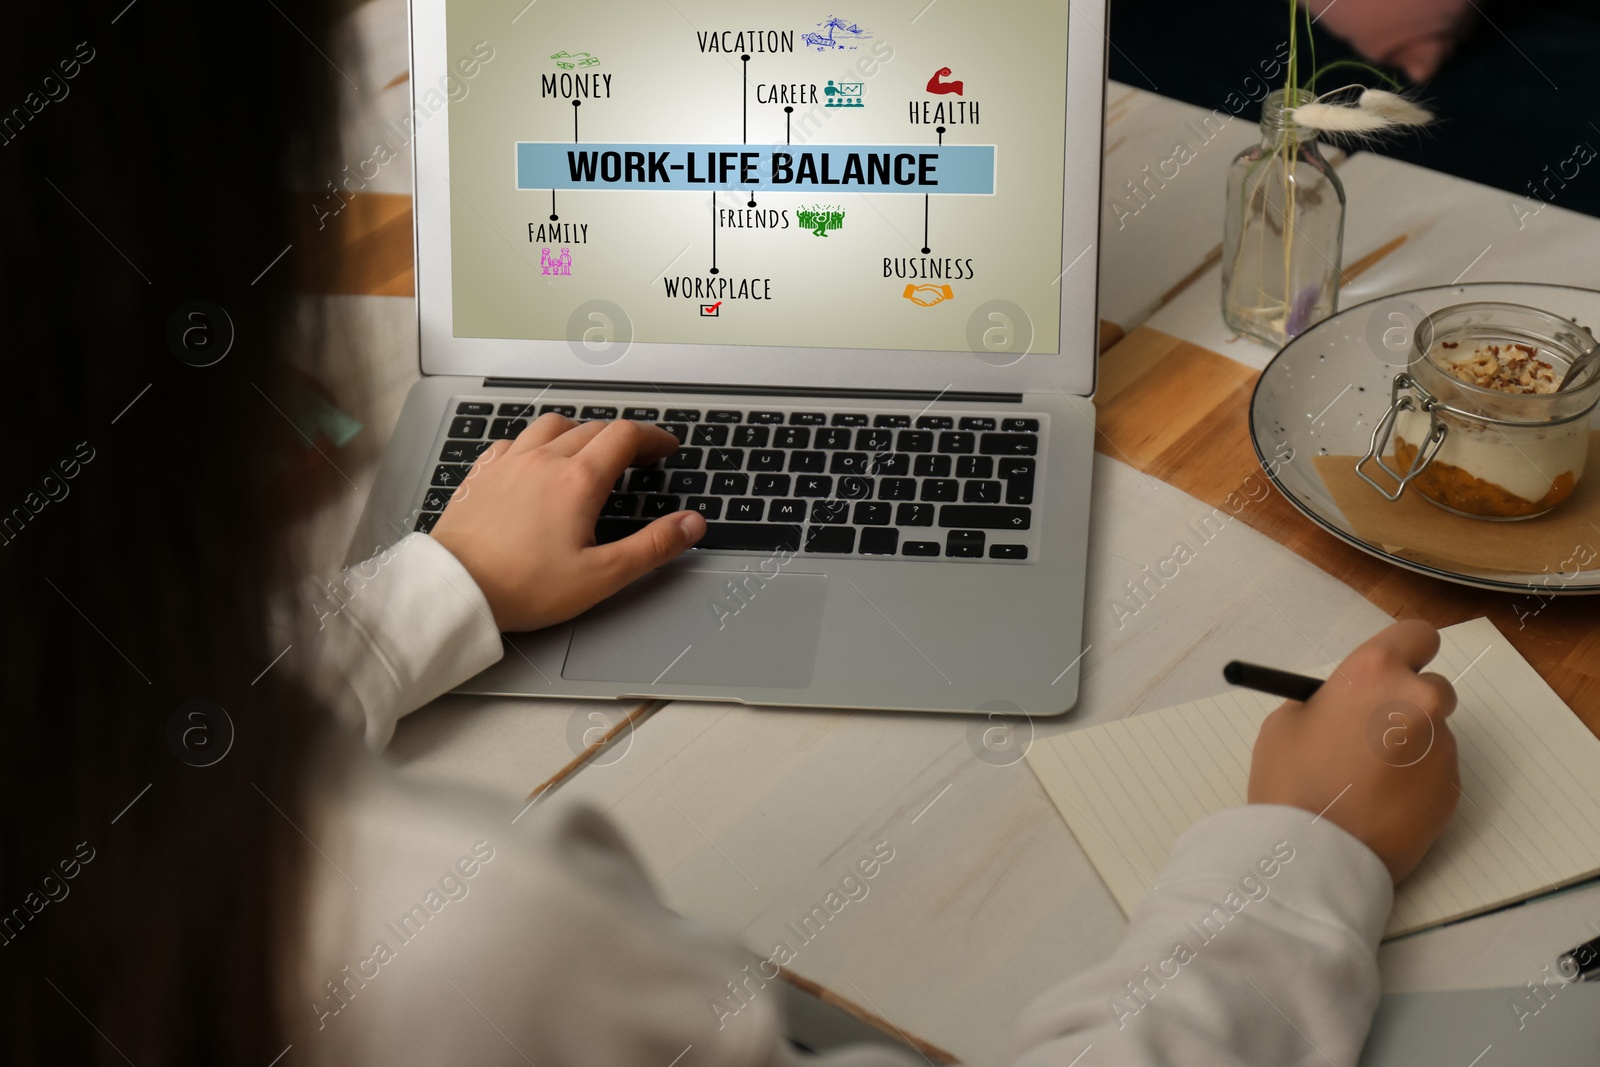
(915,395)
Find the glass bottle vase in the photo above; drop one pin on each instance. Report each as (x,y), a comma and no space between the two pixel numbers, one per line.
(1284,234)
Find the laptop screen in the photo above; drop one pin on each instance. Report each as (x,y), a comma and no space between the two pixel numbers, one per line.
(887,177)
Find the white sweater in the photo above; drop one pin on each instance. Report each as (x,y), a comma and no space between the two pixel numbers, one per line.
(438,933)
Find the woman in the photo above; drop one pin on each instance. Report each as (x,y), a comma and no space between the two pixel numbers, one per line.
(198,866)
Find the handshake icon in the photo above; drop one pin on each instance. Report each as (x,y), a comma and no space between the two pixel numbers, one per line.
(929,295)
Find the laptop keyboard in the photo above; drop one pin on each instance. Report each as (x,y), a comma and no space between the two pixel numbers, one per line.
(832,483)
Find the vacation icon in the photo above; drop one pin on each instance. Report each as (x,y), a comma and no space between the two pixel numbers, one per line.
(929,295)
(842,36)
(556,266)
(939,87)
(572,61)
(845,94)
(820,220)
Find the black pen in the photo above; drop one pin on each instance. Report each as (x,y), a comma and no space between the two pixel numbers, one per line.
(1581,964)
(1284,684)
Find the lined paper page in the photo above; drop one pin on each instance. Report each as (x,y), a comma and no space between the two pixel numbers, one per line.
(1528,820)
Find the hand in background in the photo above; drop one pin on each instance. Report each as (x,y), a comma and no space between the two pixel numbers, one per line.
(1416,36)
(1375,733)
(522,523)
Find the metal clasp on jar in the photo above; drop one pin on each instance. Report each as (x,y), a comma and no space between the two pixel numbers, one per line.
(1407,395)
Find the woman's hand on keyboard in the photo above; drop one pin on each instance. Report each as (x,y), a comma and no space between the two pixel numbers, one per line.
(1370,751)
(523,522)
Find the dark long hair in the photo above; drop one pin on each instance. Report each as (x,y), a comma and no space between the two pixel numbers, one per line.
(147,150)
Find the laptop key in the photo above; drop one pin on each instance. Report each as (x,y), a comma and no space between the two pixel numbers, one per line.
(730,484)
(751,536)
(1020,425)
(567,410)
(657,506)
(726,417)
(772,485)
(688,483)
(746,509)
(893,422)
(977,424)
(936,422)
(462,451)
(871,513)
(709,506)
(939,489)
(973,517)
(849,463)
(808,462)
(685,459)
(830,512)
(833,437)
(506,429)
(1008,551)
(767,418)
(609,530)
(682,415)
(977,492)
(913,515)
(813,485)
(874,440)
(920,548)
(709,435)
(472,407)
(600,413)
(914,441)
(807,418)
(792,437)
(964,544)
(725,459)
(974,467)
(1009,444)
(619,506)
(1018,475)
(517,411)
(765,459)
(833,539)
(468,426)
(933,466)
(880,541)
(892,464)
(853,488)
(641,414)
(897,489)
(786,511)
(450,475)
(676,429)
(956,442)
(437,499)
(752,436)
(845,418)
(647,481)
(426,521)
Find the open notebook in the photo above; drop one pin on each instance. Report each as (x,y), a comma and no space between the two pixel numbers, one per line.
(1528,822)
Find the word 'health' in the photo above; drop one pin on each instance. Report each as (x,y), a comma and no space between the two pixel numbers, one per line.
(949,169)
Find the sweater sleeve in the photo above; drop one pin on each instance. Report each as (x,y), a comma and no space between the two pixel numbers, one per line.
(397,631)
(1257,946)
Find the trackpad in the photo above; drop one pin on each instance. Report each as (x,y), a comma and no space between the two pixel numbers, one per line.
(704,628)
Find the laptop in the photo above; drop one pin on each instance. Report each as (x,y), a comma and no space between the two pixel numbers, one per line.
(848,259)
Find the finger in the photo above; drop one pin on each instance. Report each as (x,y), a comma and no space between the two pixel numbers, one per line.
(572,442)
(622,444)
(1441,693)
(623,562)
(545,428)
(1413,642)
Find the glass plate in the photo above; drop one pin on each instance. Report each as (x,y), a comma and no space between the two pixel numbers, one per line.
(1325,391)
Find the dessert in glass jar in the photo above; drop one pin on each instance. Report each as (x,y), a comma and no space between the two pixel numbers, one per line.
(1491,419)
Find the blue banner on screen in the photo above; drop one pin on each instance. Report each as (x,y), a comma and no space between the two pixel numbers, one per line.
(920,169)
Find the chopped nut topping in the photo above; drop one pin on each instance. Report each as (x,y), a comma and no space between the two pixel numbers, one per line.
(1511,368)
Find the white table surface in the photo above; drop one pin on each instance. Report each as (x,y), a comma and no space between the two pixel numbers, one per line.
(748,816)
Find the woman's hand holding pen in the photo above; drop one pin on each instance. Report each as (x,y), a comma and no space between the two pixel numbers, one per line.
(1370,751)
(522,524)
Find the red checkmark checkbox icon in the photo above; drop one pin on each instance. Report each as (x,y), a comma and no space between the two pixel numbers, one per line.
(711,311)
